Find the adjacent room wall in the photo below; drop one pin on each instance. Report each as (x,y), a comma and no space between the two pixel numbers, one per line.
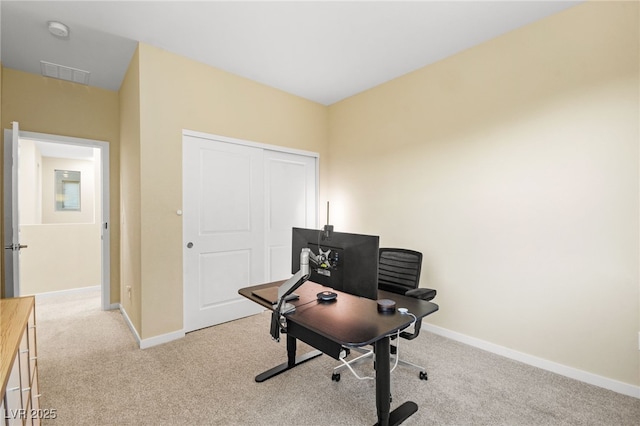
(46,105)
(176,93)
(74,236)
(90,191)
(75,264)
(30,183)
(513,166)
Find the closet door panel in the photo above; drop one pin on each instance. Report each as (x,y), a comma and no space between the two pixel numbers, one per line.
(290,201)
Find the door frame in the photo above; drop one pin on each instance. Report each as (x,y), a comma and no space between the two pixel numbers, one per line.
(105,293)
(242,142)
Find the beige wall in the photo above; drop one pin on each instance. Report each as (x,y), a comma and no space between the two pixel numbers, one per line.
(513,166)
(75,262)
(46,105)
(176,93)
(30,183)
(129,97)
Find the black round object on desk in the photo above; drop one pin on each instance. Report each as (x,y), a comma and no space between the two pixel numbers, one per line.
(386,306)
(326,296)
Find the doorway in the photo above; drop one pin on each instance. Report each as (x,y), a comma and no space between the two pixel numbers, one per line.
(63,203)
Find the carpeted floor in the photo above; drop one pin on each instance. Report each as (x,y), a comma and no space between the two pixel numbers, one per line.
(92,373)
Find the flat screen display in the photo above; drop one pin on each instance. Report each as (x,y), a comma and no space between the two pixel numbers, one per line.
(349,261)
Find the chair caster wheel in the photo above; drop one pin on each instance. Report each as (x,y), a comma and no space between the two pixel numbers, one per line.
(423,375)
(335,377)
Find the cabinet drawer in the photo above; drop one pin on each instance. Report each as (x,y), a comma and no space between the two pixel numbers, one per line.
(35,391)
(18,362)
(13,397)
(23,360)
(31,333)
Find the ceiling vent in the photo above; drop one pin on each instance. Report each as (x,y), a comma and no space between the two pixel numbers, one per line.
(64,73)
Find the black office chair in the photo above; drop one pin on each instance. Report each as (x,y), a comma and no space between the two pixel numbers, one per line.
(398,272)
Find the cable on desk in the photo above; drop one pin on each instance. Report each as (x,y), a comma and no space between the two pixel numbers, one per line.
(346,363)
(279,321)
(415,319)
(354,372)
(306,303)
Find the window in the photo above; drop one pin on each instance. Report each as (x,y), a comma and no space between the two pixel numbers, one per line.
(67,190)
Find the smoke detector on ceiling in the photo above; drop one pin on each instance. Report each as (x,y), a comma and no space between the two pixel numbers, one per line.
(58,29)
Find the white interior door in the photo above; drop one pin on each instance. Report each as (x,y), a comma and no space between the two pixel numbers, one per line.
(223,230)
(12,244)
(290,200)
(240,203)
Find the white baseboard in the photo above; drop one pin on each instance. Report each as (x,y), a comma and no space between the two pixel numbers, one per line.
(152,341)
(67,292)
(563,370)
(158,340)
(554,367)
(72,291)
(130,324)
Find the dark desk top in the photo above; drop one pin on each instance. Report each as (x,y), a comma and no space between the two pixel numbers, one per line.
(349,320)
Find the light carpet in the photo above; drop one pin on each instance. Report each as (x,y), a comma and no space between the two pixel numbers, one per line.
(92,373)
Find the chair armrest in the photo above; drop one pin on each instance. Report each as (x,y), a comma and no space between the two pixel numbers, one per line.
(416,331)
(421,293)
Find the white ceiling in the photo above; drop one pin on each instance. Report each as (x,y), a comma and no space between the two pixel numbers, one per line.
(60,150)
(324,51)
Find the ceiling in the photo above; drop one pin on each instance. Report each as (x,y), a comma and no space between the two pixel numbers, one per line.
(61,150)
(324,51)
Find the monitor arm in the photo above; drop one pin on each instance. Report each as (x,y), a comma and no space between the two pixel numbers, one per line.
(289,287)
(296,280)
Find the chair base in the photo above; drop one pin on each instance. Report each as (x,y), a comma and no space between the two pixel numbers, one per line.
(423,372)
(365,356)
(369,355)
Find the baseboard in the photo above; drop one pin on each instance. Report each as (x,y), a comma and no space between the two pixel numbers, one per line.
(563,370)
(67,292)
(163,338)
(130,324)
(73,291)
(152,341)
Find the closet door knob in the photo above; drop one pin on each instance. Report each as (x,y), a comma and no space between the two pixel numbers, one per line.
(189,244)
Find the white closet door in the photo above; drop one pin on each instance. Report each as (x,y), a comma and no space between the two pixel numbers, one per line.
(290,200)
(223,230)
(240,203)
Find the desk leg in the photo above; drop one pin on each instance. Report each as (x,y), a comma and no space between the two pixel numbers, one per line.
(383,389)
(292,361)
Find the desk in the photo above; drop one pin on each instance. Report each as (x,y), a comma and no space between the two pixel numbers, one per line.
(349,321)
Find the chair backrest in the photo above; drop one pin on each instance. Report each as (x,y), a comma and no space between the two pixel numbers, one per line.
(399,269)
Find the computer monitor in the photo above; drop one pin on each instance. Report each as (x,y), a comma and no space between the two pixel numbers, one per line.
(351,260)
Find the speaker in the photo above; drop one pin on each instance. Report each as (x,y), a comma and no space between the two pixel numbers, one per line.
(386,306)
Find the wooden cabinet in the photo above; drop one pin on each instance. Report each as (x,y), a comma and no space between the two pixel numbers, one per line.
(19,362)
